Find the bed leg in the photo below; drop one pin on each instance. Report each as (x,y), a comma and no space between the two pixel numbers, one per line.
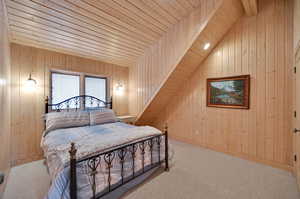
(166,149)
(73,180)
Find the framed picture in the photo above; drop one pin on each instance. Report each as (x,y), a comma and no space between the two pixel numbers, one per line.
(229,92)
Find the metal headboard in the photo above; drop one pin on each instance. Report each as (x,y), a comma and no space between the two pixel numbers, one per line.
(81,102)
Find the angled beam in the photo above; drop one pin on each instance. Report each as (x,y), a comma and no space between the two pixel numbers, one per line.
(217,25)
(250,7)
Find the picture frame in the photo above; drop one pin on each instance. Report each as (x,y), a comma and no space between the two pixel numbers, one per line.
(229,92)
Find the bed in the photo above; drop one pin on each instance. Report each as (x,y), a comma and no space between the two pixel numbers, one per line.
(91,160)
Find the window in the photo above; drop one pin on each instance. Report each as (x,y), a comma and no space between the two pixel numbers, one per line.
(95,86)
(64,86)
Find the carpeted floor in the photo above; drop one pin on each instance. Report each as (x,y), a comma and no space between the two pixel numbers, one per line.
(196,173)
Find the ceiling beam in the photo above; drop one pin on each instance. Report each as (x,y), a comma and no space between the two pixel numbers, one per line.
(251,7)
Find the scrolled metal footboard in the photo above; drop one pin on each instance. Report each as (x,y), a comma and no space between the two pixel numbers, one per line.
(120,153)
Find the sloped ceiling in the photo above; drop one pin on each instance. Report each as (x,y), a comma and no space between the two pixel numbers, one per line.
(114,31)
(217,25)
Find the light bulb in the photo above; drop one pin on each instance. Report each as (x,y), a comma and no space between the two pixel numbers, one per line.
(30,84)
(119,89)
(206,46)
(2,82)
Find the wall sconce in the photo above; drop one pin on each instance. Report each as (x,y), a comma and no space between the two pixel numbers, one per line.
(2,82)
(30,84)
(119,89)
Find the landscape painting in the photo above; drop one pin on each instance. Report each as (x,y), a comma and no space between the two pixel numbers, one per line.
(229,92)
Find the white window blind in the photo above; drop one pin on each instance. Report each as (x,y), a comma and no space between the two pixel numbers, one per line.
(95,86)
(64,86)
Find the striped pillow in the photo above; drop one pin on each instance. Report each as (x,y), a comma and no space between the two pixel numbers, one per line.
(102,117)
(57,120)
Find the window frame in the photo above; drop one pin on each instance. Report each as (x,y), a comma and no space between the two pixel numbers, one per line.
(82,77)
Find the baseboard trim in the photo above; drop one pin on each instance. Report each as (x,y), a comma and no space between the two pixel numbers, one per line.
(29,159)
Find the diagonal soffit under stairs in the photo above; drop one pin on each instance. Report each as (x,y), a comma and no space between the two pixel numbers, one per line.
(217,25)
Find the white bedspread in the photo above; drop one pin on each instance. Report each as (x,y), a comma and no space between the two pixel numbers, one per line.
(89,140)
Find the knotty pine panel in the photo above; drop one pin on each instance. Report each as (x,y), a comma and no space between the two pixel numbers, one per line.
(261,46)
(112,31)
(159,60)
(296,24)
(186,63)
(4,95)
(4,91)
(28,108)
(296,83)
(250,7)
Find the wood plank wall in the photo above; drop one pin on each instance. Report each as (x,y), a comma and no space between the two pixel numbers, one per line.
(27,108)
(160,59)
(193,56)
(297,65)
(4,94)
(261,46)
(296,24)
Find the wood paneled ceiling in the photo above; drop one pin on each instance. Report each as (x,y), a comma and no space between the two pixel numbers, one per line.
(114,31)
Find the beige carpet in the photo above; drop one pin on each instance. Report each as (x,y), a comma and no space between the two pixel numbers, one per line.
(196,173)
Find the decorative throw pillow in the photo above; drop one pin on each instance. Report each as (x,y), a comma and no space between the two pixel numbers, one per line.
(57,120)
(102,116)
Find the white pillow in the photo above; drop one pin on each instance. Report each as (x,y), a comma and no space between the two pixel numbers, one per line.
(57,120)
(102,116)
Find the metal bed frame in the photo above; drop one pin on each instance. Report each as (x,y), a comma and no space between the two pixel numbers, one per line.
(84,102)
